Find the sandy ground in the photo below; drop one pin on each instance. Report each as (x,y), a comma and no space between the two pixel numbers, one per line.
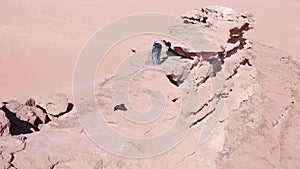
(40,40)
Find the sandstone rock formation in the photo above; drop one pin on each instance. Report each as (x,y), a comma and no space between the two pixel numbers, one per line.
(216,16)
(4,124)
(10,146)
(54,103)
(251,89)
(23,118)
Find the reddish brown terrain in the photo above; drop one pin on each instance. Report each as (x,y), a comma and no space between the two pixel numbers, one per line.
(246,73)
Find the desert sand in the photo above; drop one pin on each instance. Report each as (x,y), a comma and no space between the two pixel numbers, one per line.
(40,41)
(249,121)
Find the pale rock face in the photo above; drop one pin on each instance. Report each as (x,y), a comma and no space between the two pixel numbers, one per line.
(215,16)
(23,118)
(176,70)
(10,146)
(33,115)
(14,106)
(217,24)
(53,103)
(4,124)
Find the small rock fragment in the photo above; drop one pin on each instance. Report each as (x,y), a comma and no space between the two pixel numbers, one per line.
(121,107)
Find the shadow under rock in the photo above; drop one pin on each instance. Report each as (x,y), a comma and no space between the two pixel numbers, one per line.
(18,126)
(69,108)
(24,127)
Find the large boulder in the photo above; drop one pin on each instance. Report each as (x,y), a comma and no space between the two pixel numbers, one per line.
(53,103)
(14,105)
(24,117)
(4,124)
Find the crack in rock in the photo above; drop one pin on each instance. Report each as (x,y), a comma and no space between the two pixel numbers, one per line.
(52,166)
(12,154)
(235,70)
(184,158)
(219,96)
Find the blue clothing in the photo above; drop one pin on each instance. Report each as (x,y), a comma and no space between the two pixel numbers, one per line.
(156,51)
(157,45)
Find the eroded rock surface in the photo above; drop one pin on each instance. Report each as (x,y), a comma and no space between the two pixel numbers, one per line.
(216,16)
(4,124)
(10,146)
(23,117)
(54,103)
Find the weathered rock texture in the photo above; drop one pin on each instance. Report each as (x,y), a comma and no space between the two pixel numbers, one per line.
(55,104)
(23,117)
(4,124)
(258,127)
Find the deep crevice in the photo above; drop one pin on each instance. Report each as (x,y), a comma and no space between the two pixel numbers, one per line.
(235,71)
(202,118)
(69,108)
(170,78)
(18,126)
(52,166)
(13,153)
(12,157)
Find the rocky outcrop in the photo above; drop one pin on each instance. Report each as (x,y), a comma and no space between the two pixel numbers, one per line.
(259,103)
(216,16)
(9,147)
(54,104)
(23,118)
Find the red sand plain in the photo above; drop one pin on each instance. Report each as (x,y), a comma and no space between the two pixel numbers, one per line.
(41,40)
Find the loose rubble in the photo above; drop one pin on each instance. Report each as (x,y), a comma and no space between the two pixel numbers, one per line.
(23,118)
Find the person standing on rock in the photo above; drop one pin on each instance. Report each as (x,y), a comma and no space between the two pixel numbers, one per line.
(156,51)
